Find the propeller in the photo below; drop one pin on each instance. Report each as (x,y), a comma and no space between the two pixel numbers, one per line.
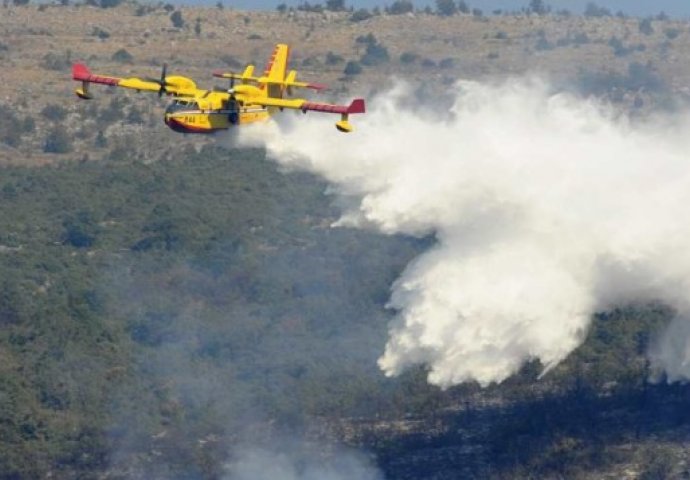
(162,82)
(231,90)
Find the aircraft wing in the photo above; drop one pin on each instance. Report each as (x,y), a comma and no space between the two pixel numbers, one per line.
(357,105)
(178,86)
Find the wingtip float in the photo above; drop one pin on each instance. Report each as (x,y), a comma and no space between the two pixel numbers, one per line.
(248,99)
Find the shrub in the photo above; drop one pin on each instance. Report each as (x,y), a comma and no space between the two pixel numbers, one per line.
(352,68)
(333,58)
(308,7)
(360,15)
(463,7)
(400,7)
(28,125)
(80,230)
(109,3)
(100,33)
(101,141)
(594,10)
(408,58)
(134,116)
(366,39)
(446,63)
(58,141)
(538,7)
(54,113)
(57,61)
(335,5)
(176,19)
(672,33)
(376,54)
(144,10)
(645,26)
(122,56)
(446,8)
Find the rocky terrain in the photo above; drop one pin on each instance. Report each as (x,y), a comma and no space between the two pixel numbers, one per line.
(624,59)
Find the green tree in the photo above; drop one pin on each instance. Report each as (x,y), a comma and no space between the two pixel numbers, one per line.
(58,141)
(176,19)
(80,230)
(335,5)
(53,112)
(333,58)
(360,15)
(399,7)
(376,54)
(408,58)
(122,56)
(645,26)
(101,141)
(352,68)
(446,8)
(109,3)
(538,7)
(594,10)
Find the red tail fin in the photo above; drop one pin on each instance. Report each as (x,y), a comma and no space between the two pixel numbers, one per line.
(80,72)
(357,106)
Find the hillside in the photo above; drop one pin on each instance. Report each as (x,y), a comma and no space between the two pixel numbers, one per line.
(639,64)
(165,301)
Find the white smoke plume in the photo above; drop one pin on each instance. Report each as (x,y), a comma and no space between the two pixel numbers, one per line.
(546,208)
(294,460)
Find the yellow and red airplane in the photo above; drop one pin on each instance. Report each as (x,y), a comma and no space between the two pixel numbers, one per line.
(254,99)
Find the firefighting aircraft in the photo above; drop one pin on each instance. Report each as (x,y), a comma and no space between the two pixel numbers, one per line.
(254,99)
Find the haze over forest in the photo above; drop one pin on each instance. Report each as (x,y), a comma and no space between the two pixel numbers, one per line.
(630,7)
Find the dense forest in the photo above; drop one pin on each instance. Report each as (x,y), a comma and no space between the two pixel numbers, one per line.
(152,313)
(183,296)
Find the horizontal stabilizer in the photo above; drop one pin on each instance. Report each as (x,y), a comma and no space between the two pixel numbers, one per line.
(288,82)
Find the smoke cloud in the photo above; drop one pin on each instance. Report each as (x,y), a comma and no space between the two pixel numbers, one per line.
(296,460)
(546,208)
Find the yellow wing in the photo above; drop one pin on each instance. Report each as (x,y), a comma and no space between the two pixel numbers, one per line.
(357,106)
(170,85)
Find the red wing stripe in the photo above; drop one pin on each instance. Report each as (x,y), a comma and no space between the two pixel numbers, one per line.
(357,106)
(81,73)
(103,80)
(324,107)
